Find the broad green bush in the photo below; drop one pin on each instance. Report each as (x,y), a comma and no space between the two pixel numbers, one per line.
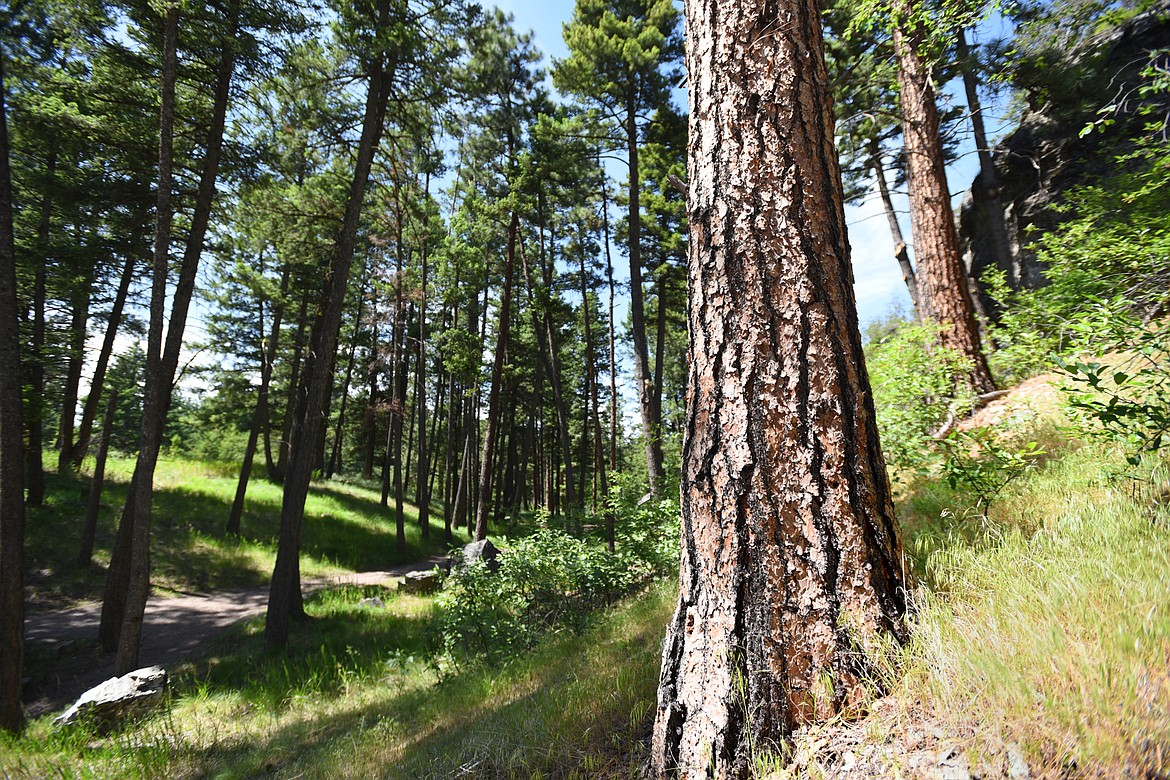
(915,387)
(549,581)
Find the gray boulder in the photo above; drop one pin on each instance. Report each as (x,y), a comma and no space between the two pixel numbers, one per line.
(482,550)
(119,698)
(420,582)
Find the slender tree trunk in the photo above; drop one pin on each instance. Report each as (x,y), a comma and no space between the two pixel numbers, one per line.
(292,396)
(154,421)
(94,501)
(791,570)
(79,317)
(73,453)
(11,455)
(334,464)
(492,429)
(901,253)
(942,280)
(34,412)
(398,411)
(284,599)
(613,397)
(422,489)
(546,342)
(591,400)
(449,459)
(260,414)
(647,393)
(988,178)
(130,556)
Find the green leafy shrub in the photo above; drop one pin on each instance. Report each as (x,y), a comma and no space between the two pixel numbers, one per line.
(1111,255)
(549,581)
(983,461)
(915,388)
(1128,401)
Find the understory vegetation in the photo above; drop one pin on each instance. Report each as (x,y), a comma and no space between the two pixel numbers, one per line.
(477,371)
(1045,624)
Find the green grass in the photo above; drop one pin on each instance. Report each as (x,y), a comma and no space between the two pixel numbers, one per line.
(355,696)
(345,529)
(1051,627)
(1047,625)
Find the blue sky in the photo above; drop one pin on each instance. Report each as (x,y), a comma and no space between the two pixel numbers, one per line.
(878,282)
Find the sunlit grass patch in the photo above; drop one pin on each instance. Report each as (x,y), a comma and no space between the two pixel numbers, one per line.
(345,529)
(1053,629)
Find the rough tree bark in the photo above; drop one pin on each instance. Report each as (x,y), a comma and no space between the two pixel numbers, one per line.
(942,281)
(11,456)
(791,562)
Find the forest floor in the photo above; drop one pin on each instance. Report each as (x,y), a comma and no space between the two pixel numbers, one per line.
(65,659)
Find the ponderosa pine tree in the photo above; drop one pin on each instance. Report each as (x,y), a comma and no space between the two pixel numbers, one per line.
(791,569)
(944,292)
(622,54)
(11,454)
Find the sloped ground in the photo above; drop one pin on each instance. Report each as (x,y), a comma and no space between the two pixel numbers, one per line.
(65,660)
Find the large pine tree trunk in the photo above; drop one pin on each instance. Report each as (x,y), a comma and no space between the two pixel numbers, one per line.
(11,455)
(942,281)
(284,598)
(791,561)
(648,394)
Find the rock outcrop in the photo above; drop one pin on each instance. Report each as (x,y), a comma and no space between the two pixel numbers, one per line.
(1047,154)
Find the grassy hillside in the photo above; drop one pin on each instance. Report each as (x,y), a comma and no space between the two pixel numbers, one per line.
(345,529)
(1043,627)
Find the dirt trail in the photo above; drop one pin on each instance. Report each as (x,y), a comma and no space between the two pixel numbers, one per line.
(173,630)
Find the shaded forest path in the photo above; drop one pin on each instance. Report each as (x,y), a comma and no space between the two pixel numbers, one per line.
(65,659)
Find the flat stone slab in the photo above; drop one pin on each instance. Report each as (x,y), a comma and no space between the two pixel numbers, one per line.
(119,698)
(420,582)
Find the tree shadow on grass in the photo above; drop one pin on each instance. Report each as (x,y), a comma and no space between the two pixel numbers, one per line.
(191,549)
(573,700)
